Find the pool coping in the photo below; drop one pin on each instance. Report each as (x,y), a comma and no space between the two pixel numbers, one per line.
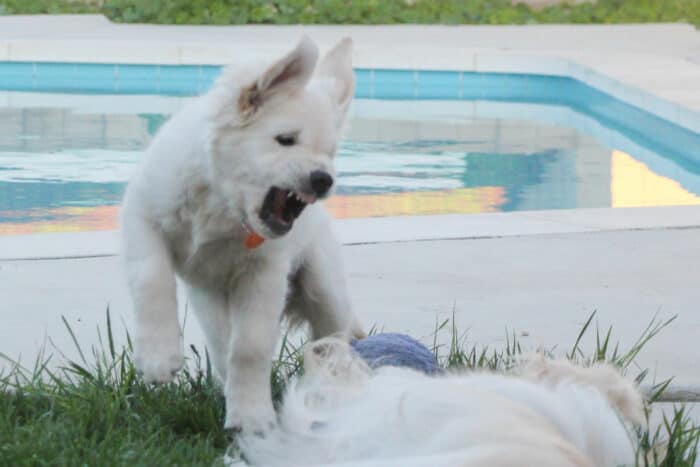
(364,231)
(629,62)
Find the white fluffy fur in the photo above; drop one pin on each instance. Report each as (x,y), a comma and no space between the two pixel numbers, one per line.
(552,414)
(204,177)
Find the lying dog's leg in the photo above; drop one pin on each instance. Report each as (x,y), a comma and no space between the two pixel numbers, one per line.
(256,307)
(320,294)
(158,352)
(621,393)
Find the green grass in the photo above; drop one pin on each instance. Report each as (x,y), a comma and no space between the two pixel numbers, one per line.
(101,413)
(365,11)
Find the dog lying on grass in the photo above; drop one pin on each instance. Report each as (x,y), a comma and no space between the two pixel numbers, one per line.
(226,200)
(549,413)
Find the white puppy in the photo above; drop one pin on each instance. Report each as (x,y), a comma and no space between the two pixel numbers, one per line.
(551,414)
(225,199)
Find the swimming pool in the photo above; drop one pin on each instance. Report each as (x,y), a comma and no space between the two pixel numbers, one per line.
(418,143)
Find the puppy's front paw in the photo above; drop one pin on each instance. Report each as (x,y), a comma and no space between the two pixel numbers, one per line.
(158,358)
(250,420)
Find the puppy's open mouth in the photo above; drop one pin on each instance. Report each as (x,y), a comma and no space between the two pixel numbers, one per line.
(281,208)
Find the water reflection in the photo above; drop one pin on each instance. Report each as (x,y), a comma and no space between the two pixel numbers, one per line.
(65,168)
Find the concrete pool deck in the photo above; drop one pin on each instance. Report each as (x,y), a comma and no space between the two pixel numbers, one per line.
(538,274)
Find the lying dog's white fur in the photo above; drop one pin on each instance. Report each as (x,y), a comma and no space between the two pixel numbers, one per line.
(551,413)
(235,167)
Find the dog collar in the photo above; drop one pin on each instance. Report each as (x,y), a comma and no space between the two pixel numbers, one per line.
(252,238)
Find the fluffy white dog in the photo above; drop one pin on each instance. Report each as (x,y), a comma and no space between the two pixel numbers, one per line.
(225,199)
(551,413)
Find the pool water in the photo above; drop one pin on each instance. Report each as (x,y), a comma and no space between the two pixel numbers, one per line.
(65,159)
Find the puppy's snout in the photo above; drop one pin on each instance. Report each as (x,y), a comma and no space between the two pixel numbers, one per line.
(321,182)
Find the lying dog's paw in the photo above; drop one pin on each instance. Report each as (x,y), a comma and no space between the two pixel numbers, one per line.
(158,359)
(250,420)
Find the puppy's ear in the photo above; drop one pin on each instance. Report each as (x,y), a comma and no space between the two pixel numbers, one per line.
(292,71)
(337,75)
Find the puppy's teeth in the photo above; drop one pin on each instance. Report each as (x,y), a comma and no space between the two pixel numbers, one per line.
(290,194)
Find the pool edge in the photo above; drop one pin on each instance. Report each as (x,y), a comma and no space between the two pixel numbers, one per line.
(377,230)
(614,68)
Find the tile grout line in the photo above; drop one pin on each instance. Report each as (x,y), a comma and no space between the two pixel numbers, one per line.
(415,240)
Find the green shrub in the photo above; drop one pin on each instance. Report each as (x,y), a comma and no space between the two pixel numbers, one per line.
(366,11)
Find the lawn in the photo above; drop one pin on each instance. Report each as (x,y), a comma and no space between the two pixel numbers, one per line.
(101,413)
(364,11)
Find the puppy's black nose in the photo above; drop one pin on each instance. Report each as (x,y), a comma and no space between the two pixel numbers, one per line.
(321,182)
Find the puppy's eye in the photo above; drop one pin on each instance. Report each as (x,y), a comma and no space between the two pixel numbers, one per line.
(289,139)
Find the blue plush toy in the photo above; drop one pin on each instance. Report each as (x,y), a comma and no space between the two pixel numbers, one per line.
(396,350)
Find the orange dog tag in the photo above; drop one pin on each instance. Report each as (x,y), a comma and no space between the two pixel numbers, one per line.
(253,240)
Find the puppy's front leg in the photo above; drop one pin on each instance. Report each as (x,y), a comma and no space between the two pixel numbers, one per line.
(158,352)
(322,296)
(256,307)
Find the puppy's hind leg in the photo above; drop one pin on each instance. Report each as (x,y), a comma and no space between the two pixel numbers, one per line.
(211,309)
(320,295)
(158,347)
(255,306)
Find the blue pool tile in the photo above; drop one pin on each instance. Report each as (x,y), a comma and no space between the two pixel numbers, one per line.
(55,70)
(179,80)
(137,79)
(207,76)
(363,83)
(137,86)
(539,88)
(137,72)
(16,83)
(470,85)
(98,72)
(55,76)
(552,89)
(16,72)
(96,77)
(395,84)
(179,73)
(500,86)
(91,85)
(438,85)
(17,76)
(74,77)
